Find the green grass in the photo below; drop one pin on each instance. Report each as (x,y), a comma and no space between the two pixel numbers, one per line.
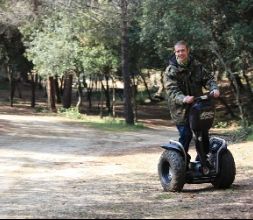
(115,126)
(250,136)
(165,196)
(221,124)
(41,109)
(5,101)
(240,134)
(4,86)
(105,123)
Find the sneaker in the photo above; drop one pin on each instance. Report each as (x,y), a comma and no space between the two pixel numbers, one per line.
(188,160)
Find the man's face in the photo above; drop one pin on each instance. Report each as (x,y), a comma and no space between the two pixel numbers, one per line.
(182,53)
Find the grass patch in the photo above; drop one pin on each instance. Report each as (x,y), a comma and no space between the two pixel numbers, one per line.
(71,113)
(250,135)
(115,125)
(4,86)
(41,109)
(239,134)
(5,101)
(105,123)
(165,196)
(221,124)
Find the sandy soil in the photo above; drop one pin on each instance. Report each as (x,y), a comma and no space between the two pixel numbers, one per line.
(52,167)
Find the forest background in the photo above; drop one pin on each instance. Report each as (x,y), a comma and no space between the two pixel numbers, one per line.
(103,61)
(91,53)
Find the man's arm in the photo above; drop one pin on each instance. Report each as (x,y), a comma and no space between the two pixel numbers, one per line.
(171,87)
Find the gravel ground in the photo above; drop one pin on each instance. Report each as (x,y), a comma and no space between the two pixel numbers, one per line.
(52,167)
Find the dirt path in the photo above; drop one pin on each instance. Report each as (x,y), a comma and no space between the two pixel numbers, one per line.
(52,167)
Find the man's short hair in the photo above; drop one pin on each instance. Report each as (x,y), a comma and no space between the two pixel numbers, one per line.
(182,42)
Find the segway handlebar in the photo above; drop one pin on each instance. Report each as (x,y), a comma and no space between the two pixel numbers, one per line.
(203,97)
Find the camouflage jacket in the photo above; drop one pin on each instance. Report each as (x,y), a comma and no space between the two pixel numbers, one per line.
(181,81)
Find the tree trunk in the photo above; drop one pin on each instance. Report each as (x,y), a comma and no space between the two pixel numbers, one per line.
(67,91)
(101,102)
(107,95)
(113,99)
(159,94)
(34,81)
(89,94)
(62,84)
(128,108)
(80,95)
(57,90)
(51,94)
(135,91)
(146,86)
(12,91)
(248,85)
(18,84)
(12,85)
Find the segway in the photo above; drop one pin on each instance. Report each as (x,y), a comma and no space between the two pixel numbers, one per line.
(214,162)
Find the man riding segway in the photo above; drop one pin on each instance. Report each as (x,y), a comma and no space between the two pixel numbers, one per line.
(193,113)
(184,79)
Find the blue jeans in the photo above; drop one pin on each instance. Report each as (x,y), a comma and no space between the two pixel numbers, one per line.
(185,136)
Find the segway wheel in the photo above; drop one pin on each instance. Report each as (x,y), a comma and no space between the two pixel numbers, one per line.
(227,171)
(171,170)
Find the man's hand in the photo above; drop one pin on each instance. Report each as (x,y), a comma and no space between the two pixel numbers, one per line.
(188,99)
(215,93)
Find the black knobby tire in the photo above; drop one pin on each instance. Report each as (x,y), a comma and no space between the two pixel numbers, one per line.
(227,171)
(171,170)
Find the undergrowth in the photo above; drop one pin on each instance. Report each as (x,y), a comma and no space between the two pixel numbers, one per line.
(105,123)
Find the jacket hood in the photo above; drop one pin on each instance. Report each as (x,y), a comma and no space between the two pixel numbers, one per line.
(173,61)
